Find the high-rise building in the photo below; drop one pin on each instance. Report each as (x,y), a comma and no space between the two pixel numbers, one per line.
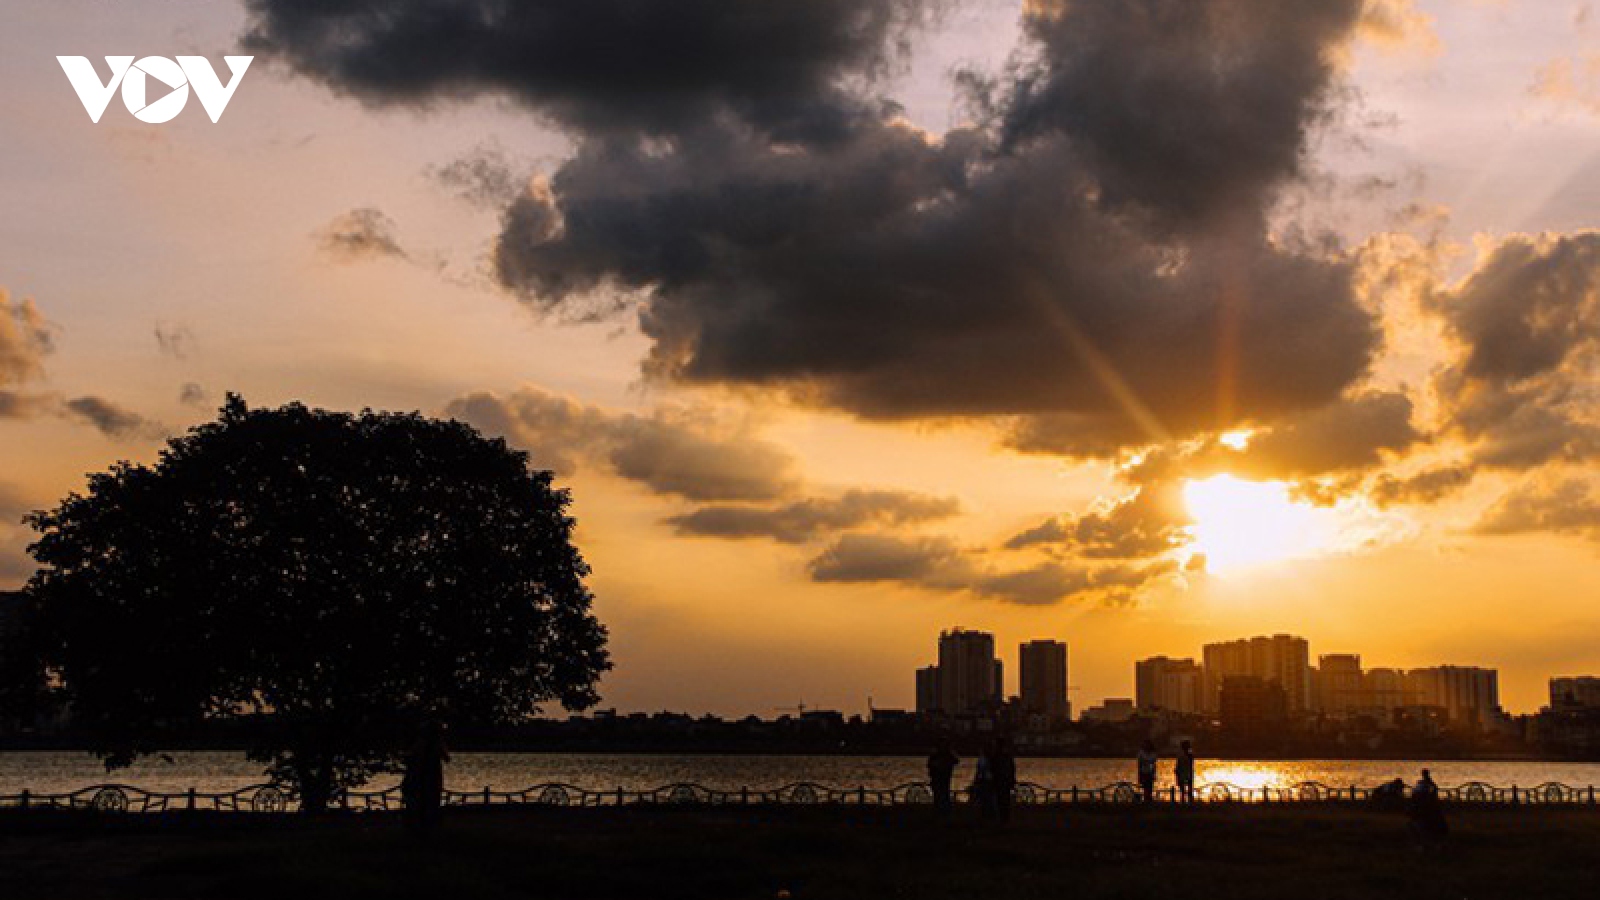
(1042,667)
(1162,684)
(928,690)
(1338,684)
(1280,658)
(1574,692)
(969,674)
(1252,706)
(1468,694)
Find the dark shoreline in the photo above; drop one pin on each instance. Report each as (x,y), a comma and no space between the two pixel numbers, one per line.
(842,853)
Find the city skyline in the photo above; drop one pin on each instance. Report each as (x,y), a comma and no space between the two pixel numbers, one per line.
(859,319)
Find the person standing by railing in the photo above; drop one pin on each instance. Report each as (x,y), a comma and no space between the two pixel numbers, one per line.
(1147,770)
(941,771)
(1183,772)
(1003,775)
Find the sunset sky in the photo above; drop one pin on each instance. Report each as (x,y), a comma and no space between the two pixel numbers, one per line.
(1132,323)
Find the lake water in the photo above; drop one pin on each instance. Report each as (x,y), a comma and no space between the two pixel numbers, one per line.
(56,772)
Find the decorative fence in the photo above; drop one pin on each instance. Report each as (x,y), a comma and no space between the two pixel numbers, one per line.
(268,798)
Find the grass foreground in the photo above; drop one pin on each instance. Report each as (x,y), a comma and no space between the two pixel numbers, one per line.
(1208,852)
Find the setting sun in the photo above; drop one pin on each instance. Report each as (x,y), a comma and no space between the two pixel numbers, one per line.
(1239,524)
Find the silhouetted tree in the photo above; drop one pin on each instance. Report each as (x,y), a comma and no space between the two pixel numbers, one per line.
(341,579)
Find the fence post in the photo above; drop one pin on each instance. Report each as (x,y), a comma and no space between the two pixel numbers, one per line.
(744,795)
(1514,797)
(191,797)
(619,795)
(1264,797)
(1591,795)
(486,795)
(1074,793)
(26,797)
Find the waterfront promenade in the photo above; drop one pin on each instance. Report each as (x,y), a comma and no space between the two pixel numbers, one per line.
(664,852)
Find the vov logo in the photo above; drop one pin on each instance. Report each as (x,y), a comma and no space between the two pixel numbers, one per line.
(134,77)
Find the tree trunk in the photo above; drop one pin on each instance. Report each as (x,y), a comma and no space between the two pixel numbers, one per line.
(316,783)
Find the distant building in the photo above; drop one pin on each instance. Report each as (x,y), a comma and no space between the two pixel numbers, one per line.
(1042,668)
(1250,705)
(1468,694)
(1383,691)
(969,674)
(1572,693)
(1110,712)
(928,697)
(1339,682)
(1168,685)
(1281,658)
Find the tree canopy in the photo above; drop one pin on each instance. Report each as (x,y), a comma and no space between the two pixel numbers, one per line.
(341,579)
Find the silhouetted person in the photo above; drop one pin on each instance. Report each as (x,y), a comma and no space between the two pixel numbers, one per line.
(1147,770)
(941,770)
(981,792)
(422,786)
(1389,795)
(1183,771)
(1426,810)
(1002,776)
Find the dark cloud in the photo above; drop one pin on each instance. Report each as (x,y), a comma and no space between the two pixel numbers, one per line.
(1347,435)
(939,564)
(1527,322)
(1187,110)
(599,65)
(110,418)
(24,340)
(1093,251)
(808,519)
(670,451)
(360,234)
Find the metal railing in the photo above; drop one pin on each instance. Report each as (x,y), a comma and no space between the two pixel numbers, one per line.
(269,798)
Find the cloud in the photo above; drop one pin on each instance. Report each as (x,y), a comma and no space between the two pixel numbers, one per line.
(360,234)
(194,395)
(110,418)
(1081,252)
(672,451)
(176,341)
(24,340)
(1548,503)
(1146,523)
(1350,434)
(13,504)
(486,177)
(1571,81)
(1526,324)
(939,564)
(1425,487)
(598,66)
(808,519)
